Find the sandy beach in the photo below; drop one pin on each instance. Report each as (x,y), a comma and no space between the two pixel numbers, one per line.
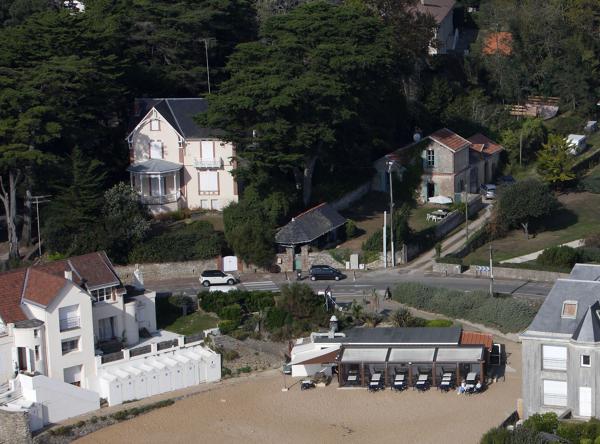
(255,410)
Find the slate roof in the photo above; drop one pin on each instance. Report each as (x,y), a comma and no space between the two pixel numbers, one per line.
(310,225)
(549,320)
(40,284)
(483,144)
(179,112)
(589,327)
(586,272)
(449,139)
(392,335)
(154,166)
(438,9)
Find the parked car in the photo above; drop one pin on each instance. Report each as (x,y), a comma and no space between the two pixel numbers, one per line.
(217,277)
(287,368)
(325,272)
(488,190)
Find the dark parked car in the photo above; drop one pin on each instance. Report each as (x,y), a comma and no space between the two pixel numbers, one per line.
(325,272)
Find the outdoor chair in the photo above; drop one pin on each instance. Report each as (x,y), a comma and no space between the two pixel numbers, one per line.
(422,383)
(399,382)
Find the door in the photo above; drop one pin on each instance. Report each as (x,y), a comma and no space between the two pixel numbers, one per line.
(430,190)
(298,262)
(585,401)
(22,357)
(230,263)
(105,330)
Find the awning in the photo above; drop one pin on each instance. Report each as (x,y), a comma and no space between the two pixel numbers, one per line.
(371,355)
(406,355)
(154,166)
(443,200)
(466,354)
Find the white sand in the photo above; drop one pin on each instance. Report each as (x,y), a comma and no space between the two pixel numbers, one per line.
(255,410)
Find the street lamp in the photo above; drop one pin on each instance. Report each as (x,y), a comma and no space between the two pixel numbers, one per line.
(207,41)
(390,164)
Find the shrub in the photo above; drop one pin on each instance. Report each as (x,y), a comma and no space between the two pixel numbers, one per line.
(276,318)
(194,241)
(351,229)
(374,242)
(225,371)
(440,323)
(450,260)
(545,422)
(498,435)
(230,355)
(593,240)
(341,255)
(231,312)
(559,256)
(227,326)
(506,314)
(246,369)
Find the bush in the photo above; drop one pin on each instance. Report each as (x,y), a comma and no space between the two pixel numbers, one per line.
(351,229)
(230,355)
(559,256)
(440,323)
(276,318)
(521,435)
(577,431)
(545,422)
(231,312)
(194,241)
(450,260)
(225,371)
(227,326)
(593,240)
(506,314)
(246,369)
(374,242)
(341,255)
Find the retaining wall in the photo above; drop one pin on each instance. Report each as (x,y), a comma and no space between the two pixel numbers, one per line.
(519,274)
(167,270)
(14,427)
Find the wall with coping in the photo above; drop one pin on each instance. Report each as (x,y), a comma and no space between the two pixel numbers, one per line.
(519,274)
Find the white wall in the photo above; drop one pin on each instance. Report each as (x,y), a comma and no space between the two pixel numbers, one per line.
(6,361)
(306,370)
(146,310)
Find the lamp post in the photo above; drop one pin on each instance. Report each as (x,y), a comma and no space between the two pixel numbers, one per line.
(207,41)
(37,200)
(390,164)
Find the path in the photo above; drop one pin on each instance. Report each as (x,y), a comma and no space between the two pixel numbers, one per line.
(450,244)
(533,256)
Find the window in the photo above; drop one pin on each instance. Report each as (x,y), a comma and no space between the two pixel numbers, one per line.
(208,182)
(554,358)
(430,158)
(68,317)
(156,149)
(180,141)
(155,125)
(102,294)
(207,150)
(37,352)
(569,310)
(586,361)
(35,332)
(72,375)
(555,393)
(70,345)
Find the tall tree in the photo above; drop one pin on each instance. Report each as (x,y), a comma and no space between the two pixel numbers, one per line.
(555,161)
(314,88)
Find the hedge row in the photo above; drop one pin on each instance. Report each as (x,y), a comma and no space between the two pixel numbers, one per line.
(504,313)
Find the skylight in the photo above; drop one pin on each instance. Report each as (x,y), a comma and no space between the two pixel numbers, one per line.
(569,310)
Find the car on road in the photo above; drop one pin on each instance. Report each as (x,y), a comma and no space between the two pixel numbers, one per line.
(287,368)
(488,190)
(325,272)
(217,277)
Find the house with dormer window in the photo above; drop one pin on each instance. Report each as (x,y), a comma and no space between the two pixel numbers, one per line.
(561,348)
(175,163)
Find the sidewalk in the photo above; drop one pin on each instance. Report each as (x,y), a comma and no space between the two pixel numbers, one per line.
(449,245)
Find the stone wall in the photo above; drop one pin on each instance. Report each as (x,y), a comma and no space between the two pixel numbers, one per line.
(167,270)
(14,427)
(519,274)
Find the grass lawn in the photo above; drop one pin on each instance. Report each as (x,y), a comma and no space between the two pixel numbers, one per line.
(578,217)
(216,219)
(418,217)
(191,324)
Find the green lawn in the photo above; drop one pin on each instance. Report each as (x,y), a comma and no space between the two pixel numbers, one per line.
(578,217)
(418,217)
(192,323)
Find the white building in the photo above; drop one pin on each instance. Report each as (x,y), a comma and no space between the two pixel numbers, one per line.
(175,162)
(58,324)
(577,143)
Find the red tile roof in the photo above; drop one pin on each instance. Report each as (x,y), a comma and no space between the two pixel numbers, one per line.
(482,144)
(40,284)
(498,43)
(449,139)
(475,338)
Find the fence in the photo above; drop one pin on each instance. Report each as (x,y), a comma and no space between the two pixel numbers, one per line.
(112,357)
(140,350)
(167,344)
(193,338)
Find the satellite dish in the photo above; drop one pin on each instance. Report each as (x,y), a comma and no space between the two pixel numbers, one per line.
(417,137)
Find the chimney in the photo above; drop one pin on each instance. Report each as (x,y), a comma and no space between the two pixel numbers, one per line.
(333,326)
(69,275)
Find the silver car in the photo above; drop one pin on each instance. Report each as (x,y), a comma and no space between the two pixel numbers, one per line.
(488,191)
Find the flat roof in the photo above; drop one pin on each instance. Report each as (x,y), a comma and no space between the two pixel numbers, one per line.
(398,336)
(365,355)
(412,355)
(463,354)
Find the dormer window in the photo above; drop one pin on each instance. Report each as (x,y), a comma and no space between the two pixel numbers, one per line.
(569,310)
(430,158)
(155,125)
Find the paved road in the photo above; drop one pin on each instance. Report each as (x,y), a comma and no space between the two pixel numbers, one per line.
(379,280)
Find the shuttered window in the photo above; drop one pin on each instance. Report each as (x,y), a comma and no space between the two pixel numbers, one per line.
(208,152)
(156,149)
(554,357)
(555,393)
(209,181)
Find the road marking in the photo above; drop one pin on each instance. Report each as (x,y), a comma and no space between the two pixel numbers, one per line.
(260,286)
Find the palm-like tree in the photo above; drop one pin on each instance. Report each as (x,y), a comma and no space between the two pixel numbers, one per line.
(401,318)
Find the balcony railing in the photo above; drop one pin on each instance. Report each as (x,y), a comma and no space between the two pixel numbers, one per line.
(160,200)
(208,163)
(69,323)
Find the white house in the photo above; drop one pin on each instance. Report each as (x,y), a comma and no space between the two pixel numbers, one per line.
(68,327)
(175,162)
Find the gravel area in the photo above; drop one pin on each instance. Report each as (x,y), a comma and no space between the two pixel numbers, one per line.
(258,355)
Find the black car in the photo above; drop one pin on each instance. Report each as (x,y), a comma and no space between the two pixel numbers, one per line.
(325,272)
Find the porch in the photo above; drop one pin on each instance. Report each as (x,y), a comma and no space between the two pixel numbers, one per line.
(157,182)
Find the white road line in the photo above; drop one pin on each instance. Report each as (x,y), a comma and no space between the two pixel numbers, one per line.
(261,285)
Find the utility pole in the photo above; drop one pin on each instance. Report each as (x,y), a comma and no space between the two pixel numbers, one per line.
(37,200)
(390,165)
(466,215)
(385,239)
(491,273)
(206,43)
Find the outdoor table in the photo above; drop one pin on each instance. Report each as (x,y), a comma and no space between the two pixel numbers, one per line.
(376,377)
(352,378)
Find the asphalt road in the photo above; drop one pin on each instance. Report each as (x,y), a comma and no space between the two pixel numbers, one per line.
(350,288)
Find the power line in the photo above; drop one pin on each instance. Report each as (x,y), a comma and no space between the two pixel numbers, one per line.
(37,200)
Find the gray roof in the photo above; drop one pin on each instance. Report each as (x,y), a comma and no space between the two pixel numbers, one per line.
(548,318)
(154,166)
(310,225)
(589,327)
(391,335)
(29,323)
(180,112)
(585,272)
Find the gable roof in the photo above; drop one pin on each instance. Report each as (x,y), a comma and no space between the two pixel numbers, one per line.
(483,144)
(438,9)
(589,327)
(449,139)
(310,225)
(41,284)
(179,112)
(498,43)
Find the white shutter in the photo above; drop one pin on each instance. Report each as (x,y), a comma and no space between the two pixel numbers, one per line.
(209,181)
(555,393)
(554,357)
(207,150)
(156,149)
(70,312)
